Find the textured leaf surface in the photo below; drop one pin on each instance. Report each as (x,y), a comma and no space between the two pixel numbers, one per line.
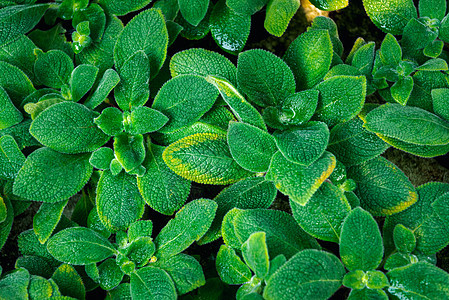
(309,274)
(109,274)
(309,57)
(191,157)
(382,187)
(15,284)
(360,242)
(190,223)
(297,181)
(160,187)
(152,283)
(146,32)
(440,100)
(279,14)
(144,120)
(53,68)
(129,150)
(6,225)
(119,202)
(434,9)
(69,282)
(68,127)
(323,215)
(20,53)
(79,246)
(15,82)
(184,99)
(109,80)
(123,7)
(46,219)
(81,80)
(110,121)
(230,268)
(11,158)
(9,114)
(50,176)
(255,254)
(193,11)
(247,7)
(330,5)
(264,77)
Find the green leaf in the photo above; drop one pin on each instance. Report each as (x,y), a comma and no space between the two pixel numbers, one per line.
(255,254)
(11,158)
(110,274)
(20,53)
(303,145)
(367,293)
(142,228)
(253,192)
(251,147)
(264,77)
(162,189)
(279,14)
(115,167)
(40,288)
(94,223)
(19,19)
(382,187)
(6,225)
(246,7)
(197,127)
(14,285)
(69,282)
(3,211)
(50,176)
(402,89)
(123,291)
(298,108)
(29,246)
(355,280)
(309,57)
(81,80)
(79,246)
(68,127)
(193,11)
(123,7)
(96,17)
(434,49)
(440,103)
(109,80)
(230,267)
(202,62)
(404,239)
(34,109)
(185,271)
(194,32)
(229,29)
(361,245)
(46,219)
(434,9)
(191,156)
(323,215)
(341,99)
(110,121)
(330,5)
(419,281)
(190,223)
(376,280)
(53,39)
(144,120)
(297,181)
(152,283)
(423,83)
(241,108)
(390,16)
(119,202)
(16,84)
(408,124)
(363,59)
(309,274)
(283,235)
(53,68)
(132,90)
(184,99)
(390,52)
(129,150)
(435,64)
(146,32)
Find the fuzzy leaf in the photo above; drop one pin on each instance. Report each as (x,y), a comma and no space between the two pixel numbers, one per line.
(50,176)
(144,120)
(129,150)
(434,9)
(15,284)
(230,267)
(16,84)
(9,114)
(46,219)
(193,11)
(279,14)
(81,80)
(404,239)
(123,7)
(330,5)
(20,53)
(6,225)
(440,100)
(390,52)
(109,80)
(402,89)
(110,121)
(255,254)
(11,158)
(297,109)
(96,17)
(53,68)
(152,283)
(109,274)
(246,7)
(69,282)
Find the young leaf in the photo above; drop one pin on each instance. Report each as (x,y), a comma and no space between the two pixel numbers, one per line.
(297,181)
(323,215)
(146,32)
(230,267)
(202,62)
(69,282)
(190,156)
(229,29)
(298,108)
(197,127)
(119,202)
(309,274)
(241,108)
(382,187)
(144,120)
(109,80)
(251,147)
(9,114)
(53,68)
(11,158)
(390,52)
(309,57)
(45,176)
(152,283)
(15,284)
(193,11)
(408,124)
(434,9)
(162,189)
(402,89)
(81,80)
(40,288)
(279,14)
(123,7)
(138,229)
(96,17)
(264,77)
(110,121)
(46,219)
(190,224)
(132,90)
(129,150)
(79,246)
(367,293)
(109,274)
(341,98)
(361,245)
(68,127)
(185,271)
(16,84)
(187,91)
(255,254)
(303,145)
(404,239)
(283,235)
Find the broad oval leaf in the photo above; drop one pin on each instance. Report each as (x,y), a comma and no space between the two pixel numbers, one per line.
(15,82)
(69,282)
(11,158)
(47,218)
(68,127)
(151,283)
(53,68)
(230,267)
(190,157)
(81,80)
(279,14)
(50,176)
(193,11)
(255,254)
(79,246)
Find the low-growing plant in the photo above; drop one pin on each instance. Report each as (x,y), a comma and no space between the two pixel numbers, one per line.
(112,137)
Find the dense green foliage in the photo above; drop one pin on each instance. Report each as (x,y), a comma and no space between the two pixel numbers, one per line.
(120,143)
